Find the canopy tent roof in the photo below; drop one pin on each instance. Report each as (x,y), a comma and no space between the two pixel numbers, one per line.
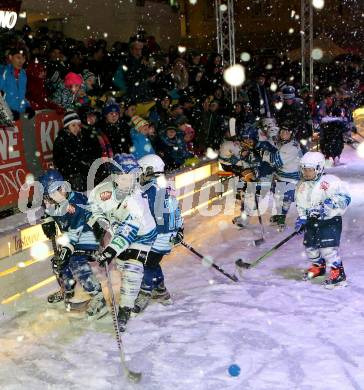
(329,49)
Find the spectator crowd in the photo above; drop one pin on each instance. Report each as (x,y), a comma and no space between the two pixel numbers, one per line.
(136,98)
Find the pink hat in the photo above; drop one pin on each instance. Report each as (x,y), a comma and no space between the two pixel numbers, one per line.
(72,79)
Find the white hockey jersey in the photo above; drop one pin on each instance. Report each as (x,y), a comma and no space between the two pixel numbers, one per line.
(133,225)
(229,153)
(287,162)
(312,194)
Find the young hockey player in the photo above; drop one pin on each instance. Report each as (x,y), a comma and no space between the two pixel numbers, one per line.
(118,208)
(286,160)
(67,209)
(229,156)
(256,173)
(164,207)
(321,202)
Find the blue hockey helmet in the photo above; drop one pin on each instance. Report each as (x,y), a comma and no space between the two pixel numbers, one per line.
(288,92)
(124,163)
(51,180)
(250,132)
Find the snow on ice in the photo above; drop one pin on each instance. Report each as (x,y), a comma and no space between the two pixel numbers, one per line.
(271,331)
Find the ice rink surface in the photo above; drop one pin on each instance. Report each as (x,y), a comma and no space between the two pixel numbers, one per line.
(284,333)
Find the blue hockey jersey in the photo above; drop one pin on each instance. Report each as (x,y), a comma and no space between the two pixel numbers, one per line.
(71,217)
(166,213)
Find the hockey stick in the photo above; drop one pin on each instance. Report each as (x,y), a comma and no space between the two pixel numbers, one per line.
(240,264)
(56,253)
(232,277)
(131,375)
(260,240)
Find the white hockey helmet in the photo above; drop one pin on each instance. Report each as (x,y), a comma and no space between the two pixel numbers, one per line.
(315,160)
(152,165)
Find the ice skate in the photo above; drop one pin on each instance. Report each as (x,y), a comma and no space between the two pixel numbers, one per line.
(337,278)
(58,296)
(162,295)
(142,301)
(123,317)
(240,222)
(317,269)
(278,220)
(97,306)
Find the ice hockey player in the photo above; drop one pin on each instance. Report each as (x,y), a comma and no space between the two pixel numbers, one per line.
(67,209)
(286,160)
(229,156)
(256,173)
(119,209)
(321,201)
(167,215)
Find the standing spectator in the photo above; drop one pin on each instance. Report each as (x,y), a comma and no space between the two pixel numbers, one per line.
(180,75)
(68,94)
(13,83)
(187,131)
(332,129)
(260,97)
(70,156)
(99,66)
(140,138)
(196,73)
(136,74)
(119,137)
(295,113)
(214,73)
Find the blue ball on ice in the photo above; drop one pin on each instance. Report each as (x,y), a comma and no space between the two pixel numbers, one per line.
(234,370)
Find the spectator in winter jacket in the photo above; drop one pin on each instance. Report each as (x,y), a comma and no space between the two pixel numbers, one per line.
(332,129)
(260,97)
(70,153)
(112,126)
(13,83)
(184,128)
(97,144)
(140,138)
(159,114)
(136,74)
(173,149)
(68,94)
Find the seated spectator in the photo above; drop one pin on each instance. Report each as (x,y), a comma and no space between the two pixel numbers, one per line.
(187,106)
(173,149)
(118,135)
(89,81)
(176,111)
(70,154)
(13,84)
(187,131)
(140,138)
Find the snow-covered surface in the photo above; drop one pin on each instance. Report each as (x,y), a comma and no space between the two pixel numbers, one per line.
(282,332)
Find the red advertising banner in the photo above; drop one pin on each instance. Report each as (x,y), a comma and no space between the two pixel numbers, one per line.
(12,164)
(47,126)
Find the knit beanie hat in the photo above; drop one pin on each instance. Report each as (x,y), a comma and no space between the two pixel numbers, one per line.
(110,108)
(70,117)
(72,79)
(138,122)
(86,74)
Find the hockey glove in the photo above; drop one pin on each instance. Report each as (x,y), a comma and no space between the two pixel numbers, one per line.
(106,256)
(100,227)
(64,256)
(300,225)
(29,112)
(49,228)
(266,146)
(178,238)
(317,212)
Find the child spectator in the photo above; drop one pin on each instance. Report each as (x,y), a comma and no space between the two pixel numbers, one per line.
(173,149)
(140,137)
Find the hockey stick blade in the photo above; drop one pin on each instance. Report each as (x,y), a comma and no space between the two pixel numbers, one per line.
(259,241)
(241,264)
(132,375)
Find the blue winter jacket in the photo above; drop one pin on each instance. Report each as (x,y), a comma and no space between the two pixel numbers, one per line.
(141,143)
(14,89)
